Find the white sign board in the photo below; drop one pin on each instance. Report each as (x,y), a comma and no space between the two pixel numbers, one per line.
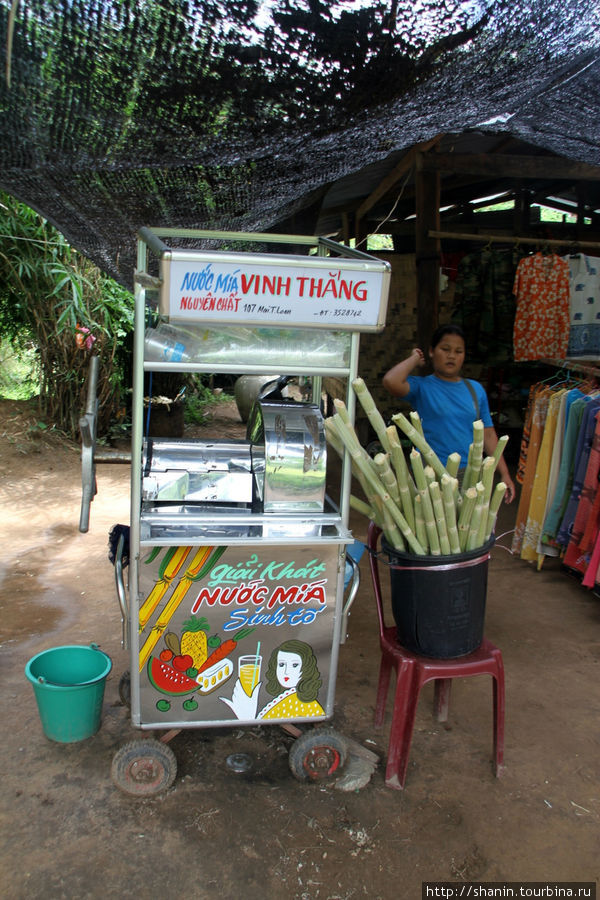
(262,289)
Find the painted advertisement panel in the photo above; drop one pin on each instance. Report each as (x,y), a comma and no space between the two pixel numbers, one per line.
(251,289)
(236,633)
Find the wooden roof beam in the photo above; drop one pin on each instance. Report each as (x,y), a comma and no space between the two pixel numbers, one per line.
(391,180)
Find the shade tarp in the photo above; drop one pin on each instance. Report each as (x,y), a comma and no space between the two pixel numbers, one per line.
(117,114)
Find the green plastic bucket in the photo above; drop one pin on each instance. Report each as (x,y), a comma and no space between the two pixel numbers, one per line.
(68,683)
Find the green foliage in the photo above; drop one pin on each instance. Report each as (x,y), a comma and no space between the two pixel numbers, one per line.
(199,400)
(53,299)
(19,377)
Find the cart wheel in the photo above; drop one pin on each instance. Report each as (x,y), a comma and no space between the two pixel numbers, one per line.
(144,768)
(318,755)
(125,688)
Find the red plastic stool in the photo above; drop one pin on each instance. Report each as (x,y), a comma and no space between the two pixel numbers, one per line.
(413,671)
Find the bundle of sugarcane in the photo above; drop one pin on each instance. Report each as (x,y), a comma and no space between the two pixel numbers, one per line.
(420,508)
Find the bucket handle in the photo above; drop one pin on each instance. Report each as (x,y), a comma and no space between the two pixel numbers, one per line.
(42,680)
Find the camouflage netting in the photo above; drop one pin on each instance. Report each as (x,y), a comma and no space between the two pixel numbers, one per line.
(237,115)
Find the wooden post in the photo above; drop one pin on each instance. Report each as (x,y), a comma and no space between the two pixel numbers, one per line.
(522,212)
(427,250)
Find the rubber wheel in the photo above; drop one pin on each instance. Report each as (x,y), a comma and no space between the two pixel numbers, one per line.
(318,755)
(144,768)
(125,688)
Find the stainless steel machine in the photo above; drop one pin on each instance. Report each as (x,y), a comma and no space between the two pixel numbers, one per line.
(237,553)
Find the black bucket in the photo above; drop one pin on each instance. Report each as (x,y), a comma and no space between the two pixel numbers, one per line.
(438,602)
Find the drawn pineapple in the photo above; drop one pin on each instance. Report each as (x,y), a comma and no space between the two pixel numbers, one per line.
(194,641)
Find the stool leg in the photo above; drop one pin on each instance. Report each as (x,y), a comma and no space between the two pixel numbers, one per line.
(403,722)
(385,671)
(441,698)
(499,709)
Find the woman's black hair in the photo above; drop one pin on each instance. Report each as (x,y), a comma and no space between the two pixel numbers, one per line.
(442,331)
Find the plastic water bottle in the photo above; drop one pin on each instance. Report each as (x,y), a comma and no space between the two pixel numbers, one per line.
(164,344)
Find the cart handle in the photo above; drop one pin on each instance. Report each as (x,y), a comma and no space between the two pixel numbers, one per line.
(87,427)
(121,593)
(354,585)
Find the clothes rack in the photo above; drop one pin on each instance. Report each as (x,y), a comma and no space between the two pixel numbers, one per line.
(590,370)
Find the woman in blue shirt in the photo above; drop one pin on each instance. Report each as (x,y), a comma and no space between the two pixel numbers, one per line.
(447,403)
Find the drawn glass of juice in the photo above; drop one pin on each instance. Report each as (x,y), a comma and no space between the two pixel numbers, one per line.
(249,672)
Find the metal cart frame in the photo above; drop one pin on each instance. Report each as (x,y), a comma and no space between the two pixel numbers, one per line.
(147,766)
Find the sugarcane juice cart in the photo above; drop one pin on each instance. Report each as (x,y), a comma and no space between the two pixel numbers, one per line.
(234,607)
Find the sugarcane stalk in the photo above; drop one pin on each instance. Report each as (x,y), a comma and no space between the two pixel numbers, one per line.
(345,430)
(361,459)
(374,416)
(332,437)
(416,463)
(375,487)
(363,508)
(406,485)
(399,463)
(420,443)
(378,510)
(200,565)
(427,507)
(433,537)
(342,411)
(347,436)
(391,530)
(464,517)
(468,468)
(429,475)
(388,479)
(452,468)
(366,488)
(420,529)
(495,501)
(411,539)
(453,464)
(448,496)
(499,449)
(415,418)
(350,440)
(475,456)
(487,478)
(475,518)
(440,518)
(172,562)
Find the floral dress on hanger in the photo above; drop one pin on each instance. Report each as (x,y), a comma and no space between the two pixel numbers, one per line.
(542,319)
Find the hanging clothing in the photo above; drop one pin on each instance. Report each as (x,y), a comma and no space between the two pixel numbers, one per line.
(582,456)
(588,506)
(559,507)
(539,491)
(590,578)
(538,419)
(592,522)
(565,400)
(542,319)
(526,434)
(565,475)
(584,303)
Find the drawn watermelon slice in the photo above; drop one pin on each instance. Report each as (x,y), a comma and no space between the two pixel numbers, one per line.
(168,680)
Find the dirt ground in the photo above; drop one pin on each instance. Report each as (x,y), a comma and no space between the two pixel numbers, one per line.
(68,832)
